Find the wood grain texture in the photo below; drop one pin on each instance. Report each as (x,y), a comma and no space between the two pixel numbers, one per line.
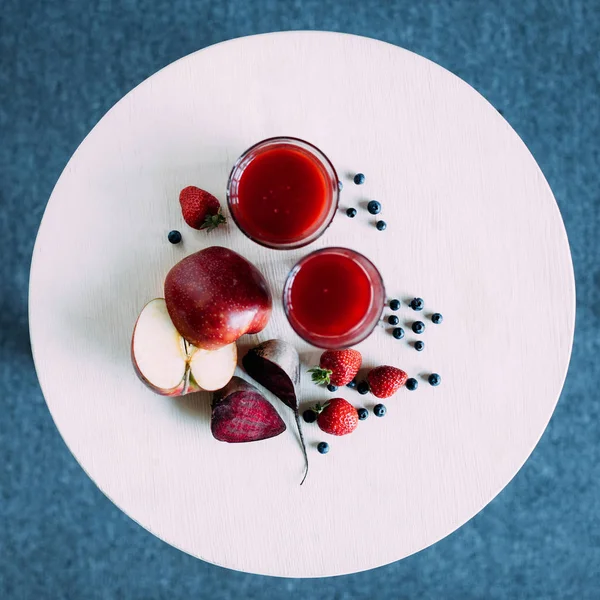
(473,228)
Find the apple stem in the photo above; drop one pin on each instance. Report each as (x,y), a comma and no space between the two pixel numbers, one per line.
(186,378)
(297,415)
(186,347)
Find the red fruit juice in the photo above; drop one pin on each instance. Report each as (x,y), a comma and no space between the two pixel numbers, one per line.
(283,193)
(334,297)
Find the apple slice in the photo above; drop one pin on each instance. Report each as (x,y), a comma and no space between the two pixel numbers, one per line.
(171,366)
(212,369)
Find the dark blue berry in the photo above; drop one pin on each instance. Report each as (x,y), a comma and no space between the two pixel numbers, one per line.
(359,179)
(436,318)
(412,384)
(417,303)
(352,384)
(174,236)
(398,333)
(351,212)
(310,416)
(394,304)
(379,410)
(340,186)
(419,346)
(418,327)
(434,379)
(374,207)
(393,320)
(381,225)
(323,447)
(363,413)
(332,388)
(363,388)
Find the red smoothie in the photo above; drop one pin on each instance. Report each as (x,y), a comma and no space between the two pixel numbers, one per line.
(331,295)
(334,297)
(282,193)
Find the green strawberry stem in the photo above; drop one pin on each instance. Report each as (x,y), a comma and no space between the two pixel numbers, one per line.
(213,221)
(319,408)
(320,376)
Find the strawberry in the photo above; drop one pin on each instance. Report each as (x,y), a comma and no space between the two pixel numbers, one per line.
(337,417)
(200,209)
(385,381)
(338,367)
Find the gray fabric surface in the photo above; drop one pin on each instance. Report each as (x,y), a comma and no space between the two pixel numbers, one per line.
(64,63)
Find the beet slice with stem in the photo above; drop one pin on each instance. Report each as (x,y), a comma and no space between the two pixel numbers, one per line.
(275,364)
(240,413)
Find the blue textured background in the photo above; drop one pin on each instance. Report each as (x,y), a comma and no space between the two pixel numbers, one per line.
(63,64)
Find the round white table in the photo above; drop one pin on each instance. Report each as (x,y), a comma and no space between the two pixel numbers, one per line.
(473,229)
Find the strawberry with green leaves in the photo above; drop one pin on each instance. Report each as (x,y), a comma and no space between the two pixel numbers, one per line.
(337,367)
(200,209)
(336,417)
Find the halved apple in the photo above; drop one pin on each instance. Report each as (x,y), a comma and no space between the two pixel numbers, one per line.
(171,366)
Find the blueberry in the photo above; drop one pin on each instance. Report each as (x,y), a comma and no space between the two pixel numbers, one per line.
(352,384)
(374,207)
(363,388)
(419,346)
(379,410)
(436,318)
(393,320)
(351,212)
(310,416)
(418,327)
(174,236)
(340,186)
(323,447)
(417,304)
(398,333)
(332,388)
(381,225)
(359,179)
(412,384)
(394,304)
(363,413)
(434,379)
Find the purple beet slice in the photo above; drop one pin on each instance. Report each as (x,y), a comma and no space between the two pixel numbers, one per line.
(240,413)
(275,364)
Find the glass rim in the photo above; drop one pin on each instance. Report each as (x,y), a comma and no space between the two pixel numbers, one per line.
(327,166)
(349,338)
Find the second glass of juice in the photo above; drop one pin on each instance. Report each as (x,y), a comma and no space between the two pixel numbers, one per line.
(334,297)
(283,193)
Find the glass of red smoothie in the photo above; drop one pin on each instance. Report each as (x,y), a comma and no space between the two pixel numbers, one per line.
(334,297)
(283,193)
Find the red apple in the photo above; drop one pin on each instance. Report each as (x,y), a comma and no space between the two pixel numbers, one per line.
(168,364)
(215,296)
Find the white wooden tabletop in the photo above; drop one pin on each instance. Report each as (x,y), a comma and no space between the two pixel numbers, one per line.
(473,229)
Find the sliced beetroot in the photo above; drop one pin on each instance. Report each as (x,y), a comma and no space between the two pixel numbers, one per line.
(275,364)
(240,413)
